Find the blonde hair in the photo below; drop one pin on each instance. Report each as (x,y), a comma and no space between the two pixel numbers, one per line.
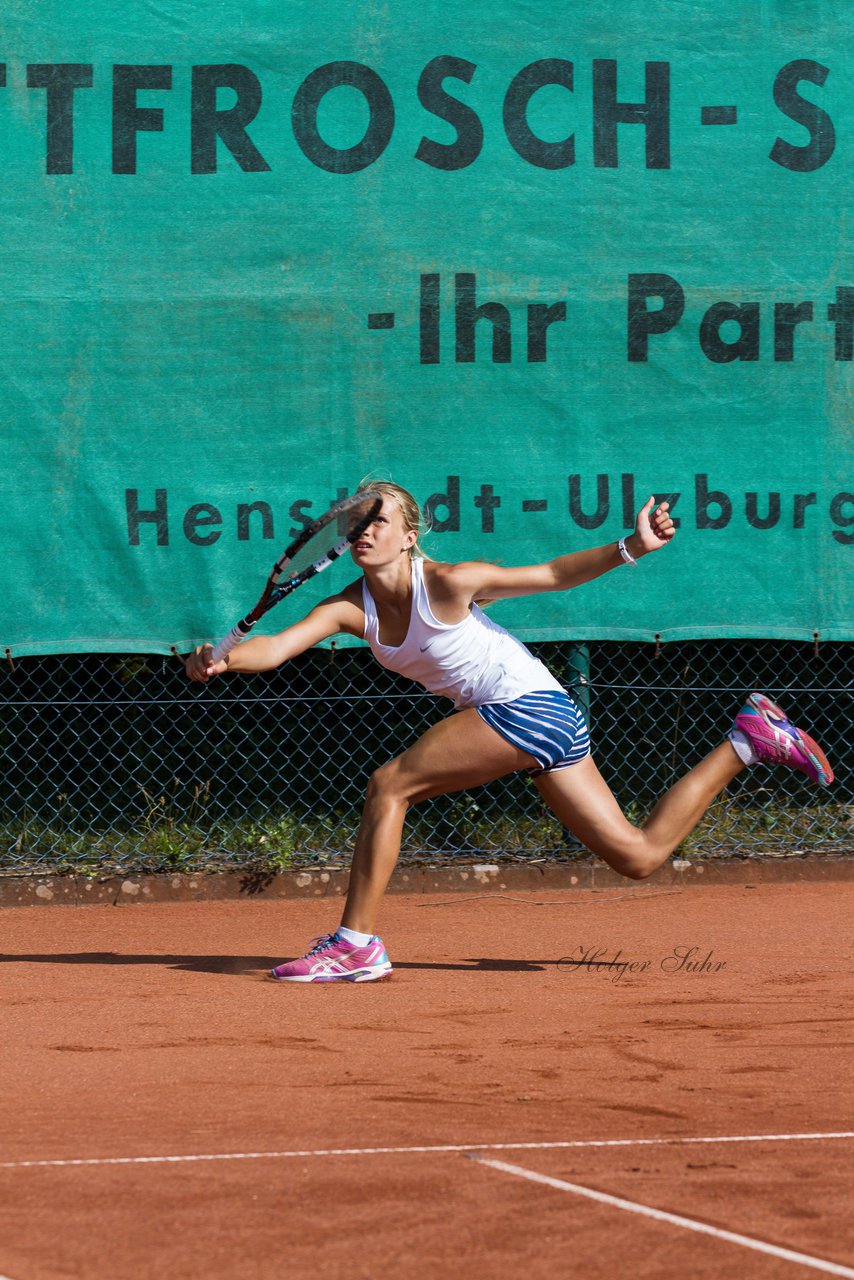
(409,509)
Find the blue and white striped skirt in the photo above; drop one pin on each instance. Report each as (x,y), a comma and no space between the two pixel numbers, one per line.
(548,725)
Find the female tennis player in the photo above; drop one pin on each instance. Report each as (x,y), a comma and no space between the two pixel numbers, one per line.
(422,619)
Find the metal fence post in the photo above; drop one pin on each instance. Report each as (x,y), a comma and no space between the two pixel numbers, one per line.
(578,676)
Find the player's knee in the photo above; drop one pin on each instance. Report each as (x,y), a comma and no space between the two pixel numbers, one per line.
(385,785)
(633,861)
(639,869)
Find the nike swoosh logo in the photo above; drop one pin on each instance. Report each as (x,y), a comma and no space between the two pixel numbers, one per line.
(425,647)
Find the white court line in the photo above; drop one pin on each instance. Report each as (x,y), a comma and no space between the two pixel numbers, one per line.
(788,1255)
(467,1147)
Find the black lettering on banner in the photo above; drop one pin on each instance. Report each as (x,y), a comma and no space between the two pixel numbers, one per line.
(300,511)
(198,516)
(60,79)
(540,316)
(429,319)
(130,119)
(433,97)
(486,501)
(653,113)
(751,511)
(801,502)
(208,122)
(158,516)
(841,314)
(229,124)
(311,93)
(467,315)
(450,500)
(671,499)
(520,135)
(713,509)
(641,321)
(706,497)
(627,487)
(247,509)
(603,503)
(787,316)
(814,119)
(841,520)
(745,346)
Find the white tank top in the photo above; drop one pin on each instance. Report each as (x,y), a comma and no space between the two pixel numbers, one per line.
(471,662)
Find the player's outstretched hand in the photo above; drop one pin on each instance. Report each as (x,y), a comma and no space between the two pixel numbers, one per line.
(199,666)
(654,527)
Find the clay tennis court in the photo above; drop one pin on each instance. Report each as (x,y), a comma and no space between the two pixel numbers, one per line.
(169,1112)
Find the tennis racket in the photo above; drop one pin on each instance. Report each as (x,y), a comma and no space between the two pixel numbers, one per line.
(308,555)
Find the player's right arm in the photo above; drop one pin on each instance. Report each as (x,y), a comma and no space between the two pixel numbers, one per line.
(337,614)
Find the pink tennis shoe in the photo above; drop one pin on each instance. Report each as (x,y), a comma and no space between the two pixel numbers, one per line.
(775,740)
(331,959)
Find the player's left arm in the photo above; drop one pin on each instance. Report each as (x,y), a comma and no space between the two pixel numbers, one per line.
(653,530)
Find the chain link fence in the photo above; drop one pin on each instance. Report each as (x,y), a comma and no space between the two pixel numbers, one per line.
(117,763)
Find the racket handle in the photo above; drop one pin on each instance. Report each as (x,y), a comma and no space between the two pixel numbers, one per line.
(224,647)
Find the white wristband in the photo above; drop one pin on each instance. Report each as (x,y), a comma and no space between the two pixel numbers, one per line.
(625,554)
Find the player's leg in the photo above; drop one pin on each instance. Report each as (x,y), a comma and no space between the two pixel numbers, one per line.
(454,755)
(460,752)
(581,798)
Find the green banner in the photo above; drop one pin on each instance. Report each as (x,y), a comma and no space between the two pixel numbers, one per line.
(533,264)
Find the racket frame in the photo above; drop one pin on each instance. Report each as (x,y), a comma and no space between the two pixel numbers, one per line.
(276,590)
